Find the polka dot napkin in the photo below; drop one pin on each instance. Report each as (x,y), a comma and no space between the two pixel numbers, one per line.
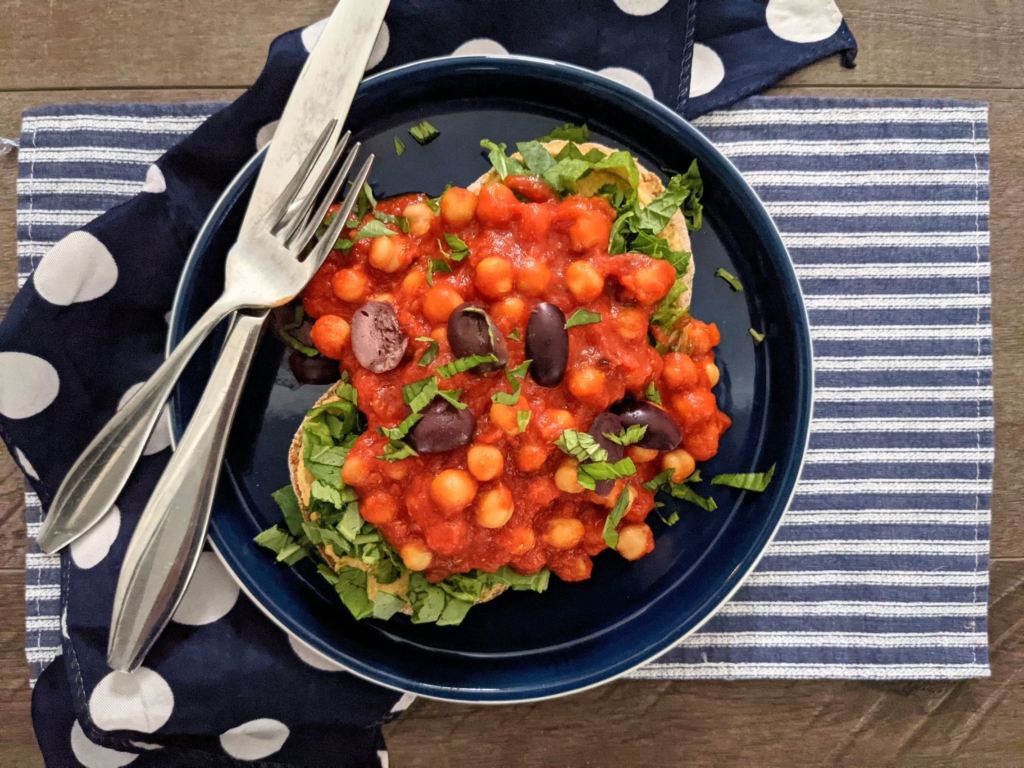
(223,685)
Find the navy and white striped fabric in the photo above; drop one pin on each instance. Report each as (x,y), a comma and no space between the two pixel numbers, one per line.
(880,569)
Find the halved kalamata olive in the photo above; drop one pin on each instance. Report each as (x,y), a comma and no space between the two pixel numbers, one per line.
(472,332)
(662,433)
(547,344)
(377,340)
(611,423)
(313,370)
(442,428)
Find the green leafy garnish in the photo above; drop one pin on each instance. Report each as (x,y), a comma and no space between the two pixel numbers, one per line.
(418,394)
(365,202)
(431,352)
(424,133)
(756,335)
(609,534)
(372,228)
(568,132)
(588,474)
(523,420)
(514,335)
(535,156)
(514,376)
(631,435)
(437,265)
(399,221)
(669,314)
(399,146)
(583,317)
(502,163)
(452,397)
(396,450)
(459,248)
(287,338)
(580,446)
(749,481)
(464,364)
(663,481)
(652,394)
(403,428)
(730,278)
(281,543)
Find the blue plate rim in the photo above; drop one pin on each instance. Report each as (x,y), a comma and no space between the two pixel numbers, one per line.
(772,240)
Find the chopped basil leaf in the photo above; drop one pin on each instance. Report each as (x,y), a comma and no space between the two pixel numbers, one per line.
(452,397)
(523,420)
(672,519)
(464,364)
(373,228)
(431,352)
(652,394)
(514,376)
(434,203)
(419,394)
(609,534)
(583,317)
(669,313)
(572,167)
(663,481)
(387,605)
(289,504)
(631,435)
(535,156)
(396,450)
(589,473)
(281,543)
(454,612)
(658,248)
(534,582)
(287,338)
(365,203)
(659,480)
(756,335)
(424,133)
(351,588)
(399,146)
(437,265)
(580,446)
(730,278)
(459,248)
(568,132)
(502,163)
(403,428)
(515,335)
(399,221)
(750,481)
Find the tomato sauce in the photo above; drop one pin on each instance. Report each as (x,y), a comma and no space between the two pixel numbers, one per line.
(512,506)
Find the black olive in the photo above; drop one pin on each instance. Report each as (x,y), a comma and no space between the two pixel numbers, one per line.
(610,423)
(377,340)
(472,332)
(662,433)
(313,370)
(442,428)
(547,344)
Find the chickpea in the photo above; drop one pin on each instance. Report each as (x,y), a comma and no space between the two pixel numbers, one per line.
(355,471)
(416,556)
(453,490)
(496,205)
(349,284)
(633,541)
(509,313)
(458,206)
(554,422)
(420,218)
(613,498)
(532,278)
(584,281)
(586,381)
(590,230)
(411,282)
(631,324)
(536,221)
(565,477)
(439,303)
(388,254)
(440,334)
(532,457)
(495,507)
(680,372)
(680,462)
(641,455)
(485,462)
(378,508)
(396,470)
(504,416)
(493,277)
(652,281)
(330,335)
(517,541)
(713,373)
(563,533)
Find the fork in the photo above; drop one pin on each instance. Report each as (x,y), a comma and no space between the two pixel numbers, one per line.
(264,269)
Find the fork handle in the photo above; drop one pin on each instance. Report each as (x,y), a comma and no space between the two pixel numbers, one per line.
(98,476)
(168,540)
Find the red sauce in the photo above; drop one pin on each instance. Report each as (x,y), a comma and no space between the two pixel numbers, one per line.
(520,254)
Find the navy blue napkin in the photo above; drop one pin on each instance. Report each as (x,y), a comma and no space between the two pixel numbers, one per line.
(224,685)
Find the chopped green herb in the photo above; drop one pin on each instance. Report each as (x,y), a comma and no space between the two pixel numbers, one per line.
(588,474)
(452,397)
(424,133)
(419,394)
(437,265)
(459,248)
(514,376)
(515,335)
(668,314)
(386,605)
(663,481)
(580,446)
(535,156)
(730,278)
(287,338)
(568,132)
(399,146)
(583,317)
(609,534)
(464,364)
(631,435)
(502,163)
(523,420)
(289,504)
(756,335)
(431,352)
(652,394)
(404,427)
(749,481)
(281,543)
(399,221)
(434,203)
(672,519)
(372,228)
(397,450)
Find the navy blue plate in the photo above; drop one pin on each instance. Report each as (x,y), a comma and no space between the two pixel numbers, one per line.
(528,646)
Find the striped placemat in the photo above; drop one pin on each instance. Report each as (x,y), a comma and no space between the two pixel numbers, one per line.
(880,569)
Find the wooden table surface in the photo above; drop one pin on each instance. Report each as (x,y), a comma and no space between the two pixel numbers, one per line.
(150,50)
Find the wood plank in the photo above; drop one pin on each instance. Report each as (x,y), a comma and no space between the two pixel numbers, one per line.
(18,747)
(744,723)
(147,43)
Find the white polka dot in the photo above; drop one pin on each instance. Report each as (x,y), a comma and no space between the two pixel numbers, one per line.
(313,657)
(255,740)
(380,47)
(161,437)
(89,549)
(26,465)
(312,33)
(403,703)
(706,72)
(78,268)
(92,755)
(481,46)
(135,701)
(210,594)
(641,7)
(803,21)
(634,80)
(382,755)
(155,181)
(27,384)
(265,134)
